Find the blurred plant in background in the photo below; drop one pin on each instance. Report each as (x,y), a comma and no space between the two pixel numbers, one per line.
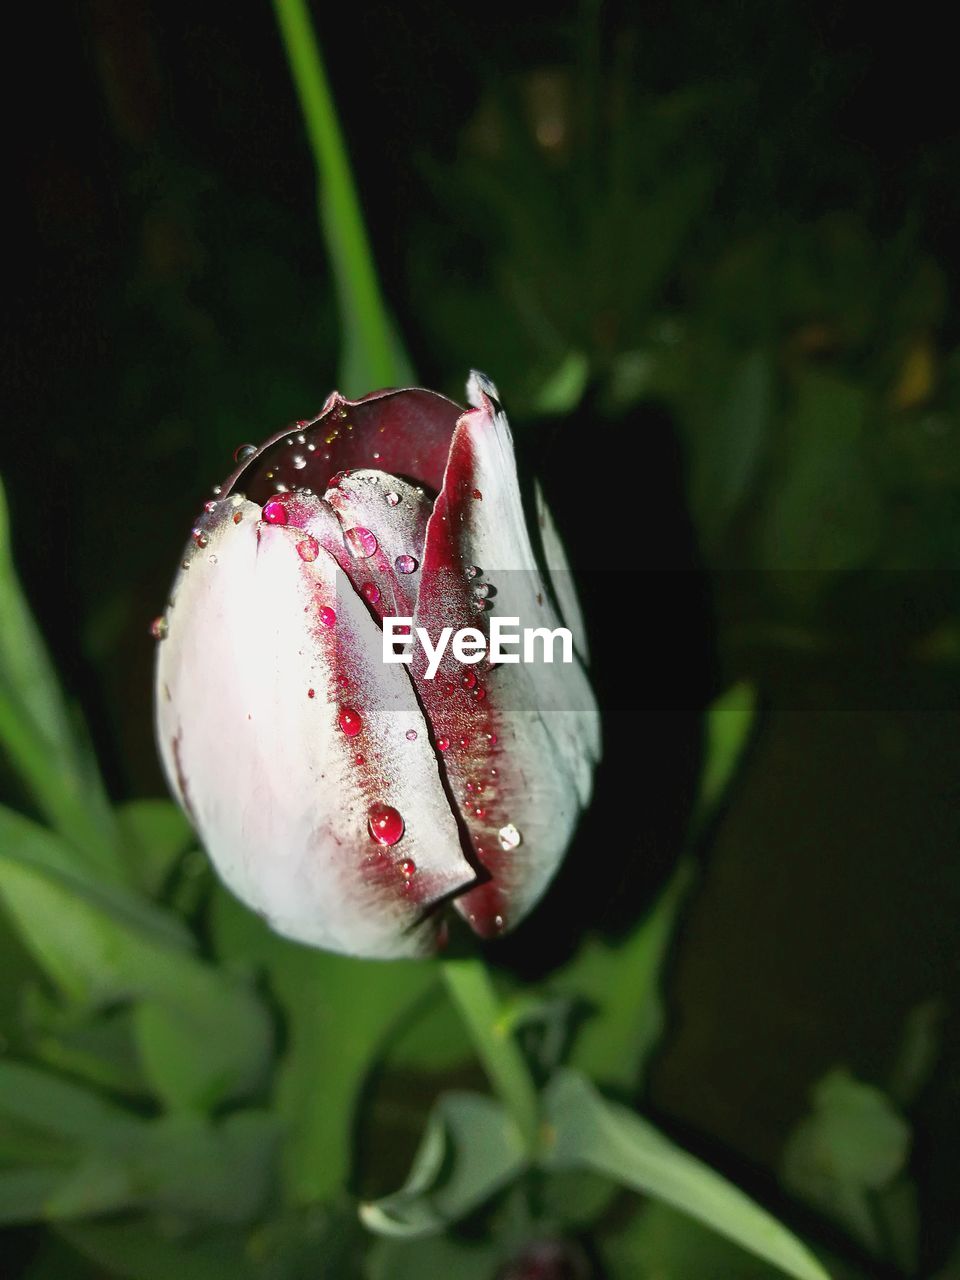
(182,1093)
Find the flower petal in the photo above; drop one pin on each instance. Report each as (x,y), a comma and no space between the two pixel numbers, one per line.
(520,752)
(251,687)
(404,433)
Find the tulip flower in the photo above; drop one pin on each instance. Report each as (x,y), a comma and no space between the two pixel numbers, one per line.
(342,792)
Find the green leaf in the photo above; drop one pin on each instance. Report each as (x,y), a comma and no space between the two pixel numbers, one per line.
(140,1250)
(433,1256)
(620,983)
(38,734)
(587,1131)
(44,1101)
(470,1150)
(202,1034)
(659,1241)
(24,1193)
(110,1159)
(337,1013)
(845,1158)
(727,449)
(824,511)
(155,834)
(729,724)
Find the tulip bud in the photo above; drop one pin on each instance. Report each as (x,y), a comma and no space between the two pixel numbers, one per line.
(343,792)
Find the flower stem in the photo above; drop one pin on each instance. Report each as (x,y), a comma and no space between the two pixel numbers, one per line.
(471,990)
(372,355)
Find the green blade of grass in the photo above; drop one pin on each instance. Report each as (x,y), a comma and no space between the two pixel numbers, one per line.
(372,354)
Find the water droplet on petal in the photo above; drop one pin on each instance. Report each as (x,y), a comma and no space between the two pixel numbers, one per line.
(472,570)
(405,564)
(482,590)
(385,824)
(308,549)
(158,628)
(350,722)
(443,744)
(475,493)
(243,452)
(411,735)
(479,693)
(201,539)
(358,759)
(392,499)
(274,512)
(468,679)
(237,517)
(362,542)
(210,507)
(498,923)
(311,693)
(408,868)
(370,592)
(464,742)
(510,837)
(298,461)
(327,616)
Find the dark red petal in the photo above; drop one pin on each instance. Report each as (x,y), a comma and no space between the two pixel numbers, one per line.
(406,433)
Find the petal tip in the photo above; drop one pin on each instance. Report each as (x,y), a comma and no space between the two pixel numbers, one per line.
(480,387)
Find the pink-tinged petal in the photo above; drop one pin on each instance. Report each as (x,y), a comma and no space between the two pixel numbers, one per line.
(519,742)
(404,433)
(303,761)
(384,520)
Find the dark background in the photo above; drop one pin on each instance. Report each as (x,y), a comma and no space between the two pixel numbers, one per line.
(169,298)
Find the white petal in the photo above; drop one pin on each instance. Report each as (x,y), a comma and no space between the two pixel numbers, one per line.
(538,726)
(264,770)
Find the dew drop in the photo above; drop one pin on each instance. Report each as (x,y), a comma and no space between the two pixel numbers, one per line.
(392,499)
(449,688)
(350,722)
(243,452)
(158,628)
(370,592)
(274,512)
(492,739)
(216,491)
(237,517)
(464,742)
(498,923)
(472,570)
(201,539)
(479,693)
(358,759)
(210,507)
(408,868)
(298,461)
(308,549)
(411,735)
(481,590)
(327,616)
(479,811)
(405,564)
(443,744)
(184,564)
(475,493)
(361,542)
(311,693)
(509,836)
(385,824)
(469,679)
